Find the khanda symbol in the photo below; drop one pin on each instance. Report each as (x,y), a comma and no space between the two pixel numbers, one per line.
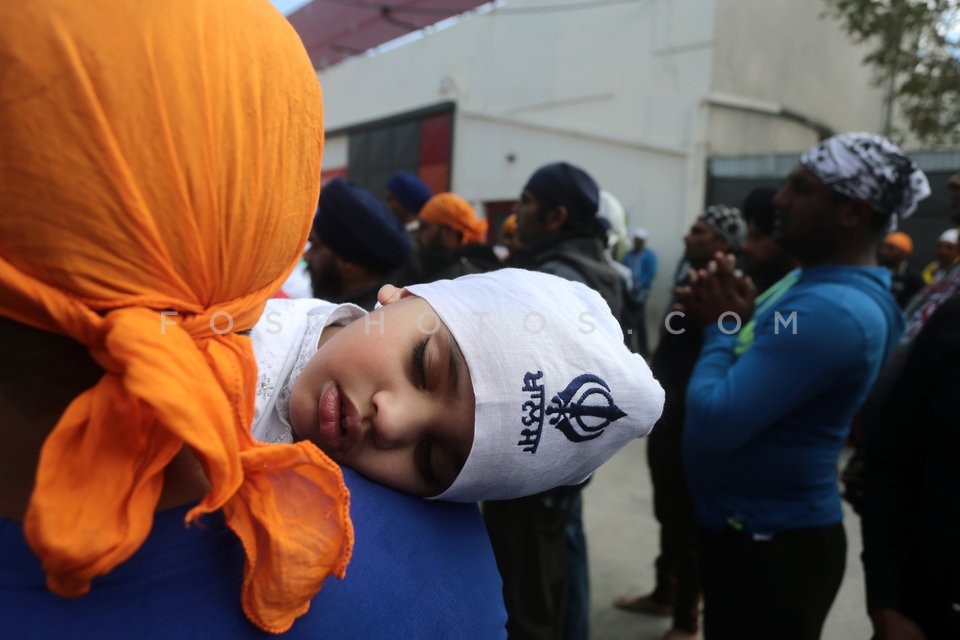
(584,409)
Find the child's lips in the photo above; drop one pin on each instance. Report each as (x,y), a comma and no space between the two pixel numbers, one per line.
(337,430)
(329,437)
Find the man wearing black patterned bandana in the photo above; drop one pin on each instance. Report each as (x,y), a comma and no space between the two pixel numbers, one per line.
(766,418)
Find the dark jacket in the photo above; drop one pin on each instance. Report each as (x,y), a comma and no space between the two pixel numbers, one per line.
(911,503)
(365,298)
(464,260)
(577,258)
(672,364)
(904,284)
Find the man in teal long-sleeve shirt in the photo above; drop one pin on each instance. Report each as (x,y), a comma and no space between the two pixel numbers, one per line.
(767,416)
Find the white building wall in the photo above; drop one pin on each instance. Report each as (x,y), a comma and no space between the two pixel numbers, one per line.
(615,89)
(628,91)
(635,69)
(785,53)
(335,152)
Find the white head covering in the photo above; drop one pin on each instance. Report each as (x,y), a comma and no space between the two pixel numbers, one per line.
(866,166)
(557,391)
(641,233)
(950,235)
(613,212)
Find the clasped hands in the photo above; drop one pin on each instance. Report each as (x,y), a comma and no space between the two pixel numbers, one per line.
(719,289)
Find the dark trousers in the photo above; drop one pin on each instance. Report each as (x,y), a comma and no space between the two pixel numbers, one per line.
(529,541)
(781,587)
(677,567)
(643,347)
(633,321)
(576,624)
(930,589)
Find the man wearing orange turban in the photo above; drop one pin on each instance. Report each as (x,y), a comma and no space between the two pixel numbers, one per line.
(450,221)
(158,174)
(452,239)
(894,254)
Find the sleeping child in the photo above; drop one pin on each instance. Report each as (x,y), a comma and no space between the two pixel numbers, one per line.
(488,387)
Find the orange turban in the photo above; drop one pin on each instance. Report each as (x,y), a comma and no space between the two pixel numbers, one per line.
(451,210)
(509,224)
(159,171)
(900,240)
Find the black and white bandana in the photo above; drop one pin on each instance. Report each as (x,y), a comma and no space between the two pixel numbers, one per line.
(866,166)
(728,222)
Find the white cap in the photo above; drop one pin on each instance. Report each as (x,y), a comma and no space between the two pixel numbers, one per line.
(950,235)
(557,391)
(611,210)
(641,233)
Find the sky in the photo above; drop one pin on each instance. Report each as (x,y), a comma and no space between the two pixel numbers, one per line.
(287,7)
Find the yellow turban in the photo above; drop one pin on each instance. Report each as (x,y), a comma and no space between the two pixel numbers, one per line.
(163,156)
(451,210)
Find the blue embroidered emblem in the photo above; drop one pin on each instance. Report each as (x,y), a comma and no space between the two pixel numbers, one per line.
(533,412)
(584,409)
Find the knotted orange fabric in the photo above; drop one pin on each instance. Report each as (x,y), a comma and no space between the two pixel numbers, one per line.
(453,211)
(159,171)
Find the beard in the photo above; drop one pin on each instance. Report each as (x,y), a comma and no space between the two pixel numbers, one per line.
(327,281)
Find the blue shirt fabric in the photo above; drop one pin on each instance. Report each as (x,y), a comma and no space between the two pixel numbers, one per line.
(420,569)
(764,429)
(644,268)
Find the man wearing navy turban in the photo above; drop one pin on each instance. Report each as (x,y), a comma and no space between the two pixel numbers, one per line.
(355,244)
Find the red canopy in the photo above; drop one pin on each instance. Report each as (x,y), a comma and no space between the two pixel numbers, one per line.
(333,30)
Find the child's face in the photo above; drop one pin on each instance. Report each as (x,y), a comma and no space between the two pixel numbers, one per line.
(390,396)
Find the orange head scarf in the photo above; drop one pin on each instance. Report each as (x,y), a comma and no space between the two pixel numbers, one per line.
(900,240)
(451,210)
(163,156)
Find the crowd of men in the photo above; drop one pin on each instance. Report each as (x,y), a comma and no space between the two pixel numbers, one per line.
(784,312)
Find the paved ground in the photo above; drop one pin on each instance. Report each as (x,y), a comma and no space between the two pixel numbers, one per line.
(622,540)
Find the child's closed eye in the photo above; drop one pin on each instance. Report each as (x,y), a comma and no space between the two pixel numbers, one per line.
(419,368)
